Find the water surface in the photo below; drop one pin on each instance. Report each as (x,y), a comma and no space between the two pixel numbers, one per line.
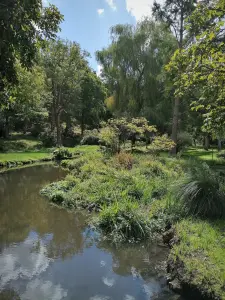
(48,253)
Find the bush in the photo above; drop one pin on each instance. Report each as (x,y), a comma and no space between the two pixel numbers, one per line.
(61,153)
(125,160)
(184,140)
(221,154)
(154,168)
(124,222)
(48,138)
(90,140)
(202,192)
(110,137)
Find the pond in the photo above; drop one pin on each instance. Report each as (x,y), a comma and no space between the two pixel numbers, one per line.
(48,253)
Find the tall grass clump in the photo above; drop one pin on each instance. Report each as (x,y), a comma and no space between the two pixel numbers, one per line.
(124,222)
(202,192)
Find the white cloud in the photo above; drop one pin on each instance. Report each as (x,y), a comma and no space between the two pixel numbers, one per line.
(140,8)
(45,3)
(21,262)
(39,289)
(112,4)
(99,70)
(100,11)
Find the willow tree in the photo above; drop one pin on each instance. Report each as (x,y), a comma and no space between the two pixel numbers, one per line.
(133,69)
(173,13)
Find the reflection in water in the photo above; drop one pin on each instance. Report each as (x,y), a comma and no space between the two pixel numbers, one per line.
(49,253)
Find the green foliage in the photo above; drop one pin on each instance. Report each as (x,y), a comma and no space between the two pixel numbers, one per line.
(184,140)
(202,192)
(201,65)
(91,137)
(162,143)
(123,221)
(133,182)
(133,70)
(48,137)
(25,27)
(110,137)
(62,153)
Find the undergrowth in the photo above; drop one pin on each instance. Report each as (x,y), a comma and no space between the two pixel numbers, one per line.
(123,188)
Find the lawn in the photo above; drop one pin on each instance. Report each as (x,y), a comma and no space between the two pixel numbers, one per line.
(22,156)
(199,153)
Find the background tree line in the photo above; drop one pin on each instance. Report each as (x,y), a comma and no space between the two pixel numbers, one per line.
(169,69)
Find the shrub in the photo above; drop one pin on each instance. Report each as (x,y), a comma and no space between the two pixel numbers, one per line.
(90,140)
(125,160)
(110,137)
(202,192)
(124,222)
(161,143)
(154,168)
(221,154)
(48,138)
(61,153)
(184,140)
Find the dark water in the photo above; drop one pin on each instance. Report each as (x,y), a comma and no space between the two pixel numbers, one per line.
(47,253)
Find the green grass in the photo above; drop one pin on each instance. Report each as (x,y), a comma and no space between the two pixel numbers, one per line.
(109,182)
(19,142)
(23,156)
(201,251)
(210,156)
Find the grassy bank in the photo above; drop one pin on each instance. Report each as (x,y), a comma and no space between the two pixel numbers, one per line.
(198,258)
(13,160)
(135,196)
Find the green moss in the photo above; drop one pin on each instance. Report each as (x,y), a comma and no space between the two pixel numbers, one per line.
(201,251)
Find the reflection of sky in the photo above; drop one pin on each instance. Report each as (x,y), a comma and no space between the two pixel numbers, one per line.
(25,261)
(89,275)
(38,289)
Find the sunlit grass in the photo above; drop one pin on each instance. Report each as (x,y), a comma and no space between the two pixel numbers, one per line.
(201,250)
(23,156)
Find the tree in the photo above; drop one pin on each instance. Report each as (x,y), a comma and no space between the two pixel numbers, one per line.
(64,64)
(133,70)
(202,65)
(174,13)
(25,26)
(24,103)
(90,107)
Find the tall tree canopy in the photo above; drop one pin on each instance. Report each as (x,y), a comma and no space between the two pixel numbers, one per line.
(202,65)
(25,25)
(133,69)
(174,13)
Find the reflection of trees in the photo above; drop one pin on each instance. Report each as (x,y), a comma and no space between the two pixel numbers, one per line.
(9,295)
(136,259)
(67,229)
(22,209)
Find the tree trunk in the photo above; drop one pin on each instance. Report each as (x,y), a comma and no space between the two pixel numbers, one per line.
(82,125)
(219,145)
(177,99)
(206,143)
(175,124)
(6,130)
(58,130)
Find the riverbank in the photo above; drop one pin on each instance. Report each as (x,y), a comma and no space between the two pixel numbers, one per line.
(18,159)
(134,197)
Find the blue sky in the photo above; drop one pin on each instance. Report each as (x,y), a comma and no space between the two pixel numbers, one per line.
(88,21)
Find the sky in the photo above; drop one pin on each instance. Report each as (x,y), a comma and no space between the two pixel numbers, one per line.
(88,22)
